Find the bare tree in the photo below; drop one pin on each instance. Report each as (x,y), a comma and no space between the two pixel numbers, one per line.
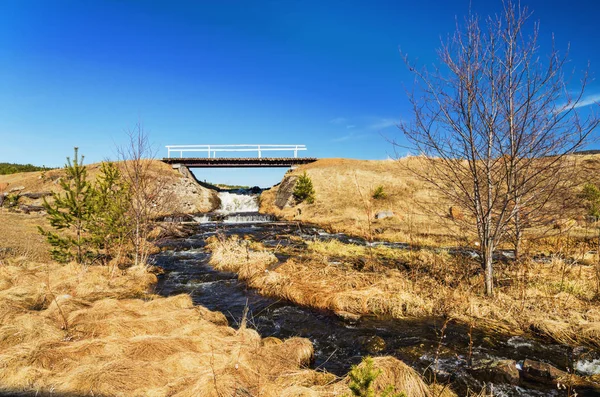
(495,123)
(146,189)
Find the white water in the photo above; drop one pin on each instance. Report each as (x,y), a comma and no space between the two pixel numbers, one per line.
(248,218)
(236,208)
(232,202)
(588,367)
(202,219)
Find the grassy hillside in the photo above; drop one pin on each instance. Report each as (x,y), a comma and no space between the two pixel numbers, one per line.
(345,202)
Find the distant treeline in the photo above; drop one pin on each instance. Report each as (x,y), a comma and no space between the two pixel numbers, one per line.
(595,151)
(9,168)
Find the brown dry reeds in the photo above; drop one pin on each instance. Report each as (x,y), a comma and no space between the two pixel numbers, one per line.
(552,304)
(80,330)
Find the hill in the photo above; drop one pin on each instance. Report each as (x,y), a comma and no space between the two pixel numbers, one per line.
(24,192)
(408,210)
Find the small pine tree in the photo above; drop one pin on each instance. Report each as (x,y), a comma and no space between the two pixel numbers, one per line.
(70,213)
(304,191)
(109,224)
(379,193)
(362,378)
(361,381)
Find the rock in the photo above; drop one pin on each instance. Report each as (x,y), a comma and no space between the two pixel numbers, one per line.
(16,189)
(455,213)
(347,316)
(374,344)
(36,195)
(497,371)
(542,372)
(31,208)
(285,191)
(384,214)
(190,195)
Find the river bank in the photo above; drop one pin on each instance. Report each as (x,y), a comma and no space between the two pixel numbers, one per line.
(551,299)
(80,330)
(443,348)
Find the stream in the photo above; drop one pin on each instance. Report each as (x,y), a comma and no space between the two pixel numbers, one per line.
(426,345)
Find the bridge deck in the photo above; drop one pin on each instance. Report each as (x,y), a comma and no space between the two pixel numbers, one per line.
(234,162)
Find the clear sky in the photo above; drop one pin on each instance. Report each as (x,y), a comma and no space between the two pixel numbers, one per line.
(327,74)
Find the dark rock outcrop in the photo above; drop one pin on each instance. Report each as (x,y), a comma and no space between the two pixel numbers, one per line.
(500,371)
(542,372)
(285,192)
(36,195)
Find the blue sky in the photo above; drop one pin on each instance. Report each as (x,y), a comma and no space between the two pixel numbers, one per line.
(327,74)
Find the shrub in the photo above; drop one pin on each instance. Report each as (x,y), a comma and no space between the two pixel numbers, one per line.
(362,377)
(12,200)
(379,193)
(591,194)
(304,191)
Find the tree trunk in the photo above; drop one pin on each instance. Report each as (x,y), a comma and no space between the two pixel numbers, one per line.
(517,245)
(137,242)
(487,252)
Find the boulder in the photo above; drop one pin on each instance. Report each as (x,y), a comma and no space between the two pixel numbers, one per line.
(384,214)
(497,371)
(542,372)
(36,195)
(374,344)
(31,208)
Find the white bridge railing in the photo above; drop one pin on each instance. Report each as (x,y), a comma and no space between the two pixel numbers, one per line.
(211,150)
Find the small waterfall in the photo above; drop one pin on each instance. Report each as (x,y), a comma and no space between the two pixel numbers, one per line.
(235,202)
(236,207)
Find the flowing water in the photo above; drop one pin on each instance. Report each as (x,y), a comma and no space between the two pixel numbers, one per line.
(237,206)
(426,345)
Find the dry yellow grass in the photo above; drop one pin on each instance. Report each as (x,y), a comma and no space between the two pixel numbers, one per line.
(19,236)
(339,185)
(71,329)
(59,336)
(344,203)
(553,299)
(74,329)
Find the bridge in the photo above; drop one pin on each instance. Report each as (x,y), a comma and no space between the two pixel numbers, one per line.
(239,159)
